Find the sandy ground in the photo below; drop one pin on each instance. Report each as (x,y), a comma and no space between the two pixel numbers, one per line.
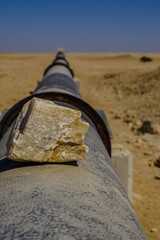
(128,91)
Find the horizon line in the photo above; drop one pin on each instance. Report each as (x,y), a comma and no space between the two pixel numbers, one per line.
(70,52)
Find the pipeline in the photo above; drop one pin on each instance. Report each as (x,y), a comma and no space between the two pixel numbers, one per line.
(81,200)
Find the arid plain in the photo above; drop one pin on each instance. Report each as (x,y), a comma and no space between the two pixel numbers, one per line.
(127,90)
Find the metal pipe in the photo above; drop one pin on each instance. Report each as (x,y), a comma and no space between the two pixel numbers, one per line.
(85,200)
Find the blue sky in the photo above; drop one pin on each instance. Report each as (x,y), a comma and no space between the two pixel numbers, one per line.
(80,26)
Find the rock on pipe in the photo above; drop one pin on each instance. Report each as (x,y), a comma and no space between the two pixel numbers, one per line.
(80,200)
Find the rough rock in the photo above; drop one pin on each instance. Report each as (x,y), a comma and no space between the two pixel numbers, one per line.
(149,127)
(146,59)
(153,230)
(157,162)
(47,132)
(149,153)
(157,176)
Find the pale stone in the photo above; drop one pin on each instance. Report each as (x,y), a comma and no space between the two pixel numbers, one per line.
(47,132)
(154,230)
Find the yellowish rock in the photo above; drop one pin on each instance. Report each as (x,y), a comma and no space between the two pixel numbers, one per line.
(47,132)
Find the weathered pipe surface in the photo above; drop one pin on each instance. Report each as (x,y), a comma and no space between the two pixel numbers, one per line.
(83,200)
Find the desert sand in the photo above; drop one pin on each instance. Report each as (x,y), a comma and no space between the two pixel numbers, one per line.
(127,90)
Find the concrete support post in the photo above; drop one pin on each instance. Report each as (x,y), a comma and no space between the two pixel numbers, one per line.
(122,160)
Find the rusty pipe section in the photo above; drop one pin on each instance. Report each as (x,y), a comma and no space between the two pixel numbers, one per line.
(83,200)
